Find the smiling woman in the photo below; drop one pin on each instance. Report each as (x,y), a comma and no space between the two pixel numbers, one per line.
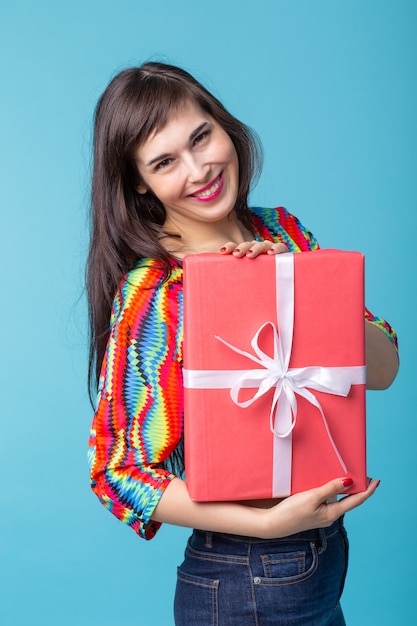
(172,172)
(191,166)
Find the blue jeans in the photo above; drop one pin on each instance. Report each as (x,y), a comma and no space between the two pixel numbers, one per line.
(227,580)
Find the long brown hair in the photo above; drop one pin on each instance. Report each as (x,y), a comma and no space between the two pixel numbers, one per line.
(125,225)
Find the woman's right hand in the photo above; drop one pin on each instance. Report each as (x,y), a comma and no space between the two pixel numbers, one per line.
(315,508)
(252,249)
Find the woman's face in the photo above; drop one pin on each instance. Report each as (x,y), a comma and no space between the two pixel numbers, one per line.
(191,165)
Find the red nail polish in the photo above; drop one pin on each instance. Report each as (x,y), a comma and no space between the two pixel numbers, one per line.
(347,482)
(236,250)
(223,249)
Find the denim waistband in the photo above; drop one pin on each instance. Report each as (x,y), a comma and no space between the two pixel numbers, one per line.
(316,534)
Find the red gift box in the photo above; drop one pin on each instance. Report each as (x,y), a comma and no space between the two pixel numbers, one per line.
(274,376)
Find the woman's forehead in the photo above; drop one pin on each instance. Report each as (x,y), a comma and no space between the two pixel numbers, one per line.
(181,120)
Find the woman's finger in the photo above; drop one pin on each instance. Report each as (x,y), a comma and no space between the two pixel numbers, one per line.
(237,249)
(277,248)
(258,247)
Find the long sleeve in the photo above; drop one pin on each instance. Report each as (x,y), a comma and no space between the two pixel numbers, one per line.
(139,416)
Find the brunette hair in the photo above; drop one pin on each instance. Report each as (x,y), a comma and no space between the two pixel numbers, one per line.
(126,225)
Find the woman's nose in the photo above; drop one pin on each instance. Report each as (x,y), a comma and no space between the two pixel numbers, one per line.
(196,169)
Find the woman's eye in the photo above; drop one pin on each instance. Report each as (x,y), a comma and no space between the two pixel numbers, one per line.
(163,164)
(201,137)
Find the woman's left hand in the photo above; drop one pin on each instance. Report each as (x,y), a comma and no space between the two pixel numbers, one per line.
(252,249)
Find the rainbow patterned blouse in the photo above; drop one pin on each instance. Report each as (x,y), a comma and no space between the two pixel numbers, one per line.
(139,416)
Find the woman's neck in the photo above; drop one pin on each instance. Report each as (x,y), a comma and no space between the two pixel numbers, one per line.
(203,237)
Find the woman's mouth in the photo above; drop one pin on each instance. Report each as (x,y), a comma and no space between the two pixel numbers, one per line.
(210,191)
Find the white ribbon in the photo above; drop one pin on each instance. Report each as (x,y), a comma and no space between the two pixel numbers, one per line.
(276,373)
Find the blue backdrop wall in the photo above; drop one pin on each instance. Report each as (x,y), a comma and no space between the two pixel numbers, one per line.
(330,86)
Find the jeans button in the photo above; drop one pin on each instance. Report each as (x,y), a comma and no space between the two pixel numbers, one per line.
(257,580)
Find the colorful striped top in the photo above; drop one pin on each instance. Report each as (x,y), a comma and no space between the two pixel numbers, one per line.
(139,417)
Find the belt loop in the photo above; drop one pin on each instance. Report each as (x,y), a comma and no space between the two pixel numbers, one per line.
(323,540)
(209,540)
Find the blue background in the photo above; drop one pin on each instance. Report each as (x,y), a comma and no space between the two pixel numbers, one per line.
(330,86)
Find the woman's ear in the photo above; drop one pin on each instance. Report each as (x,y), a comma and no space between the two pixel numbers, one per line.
(141,188)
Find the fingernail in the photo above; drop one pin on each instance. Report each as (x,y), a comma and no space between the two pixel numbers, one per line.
(347,482)
(249,251)
(236,250)
(223,249)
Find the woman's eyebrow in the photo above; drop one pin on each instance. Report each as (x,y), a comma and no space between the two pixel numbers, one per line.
(197,130)
(161,157)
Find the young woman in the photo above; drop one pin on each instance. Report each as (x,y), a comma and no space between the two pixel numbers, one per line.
(172,172)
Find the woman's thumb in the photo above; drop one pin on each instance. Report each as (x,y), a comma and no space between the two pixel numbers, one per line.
(334,487)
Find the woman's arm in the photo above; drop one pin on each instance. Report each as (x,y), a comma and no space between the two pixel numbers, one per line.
(138,420)
(296,513)
(381,358)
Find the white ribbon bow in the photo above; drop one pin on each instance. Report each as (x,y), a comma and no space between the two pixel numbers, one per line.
(287,383)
